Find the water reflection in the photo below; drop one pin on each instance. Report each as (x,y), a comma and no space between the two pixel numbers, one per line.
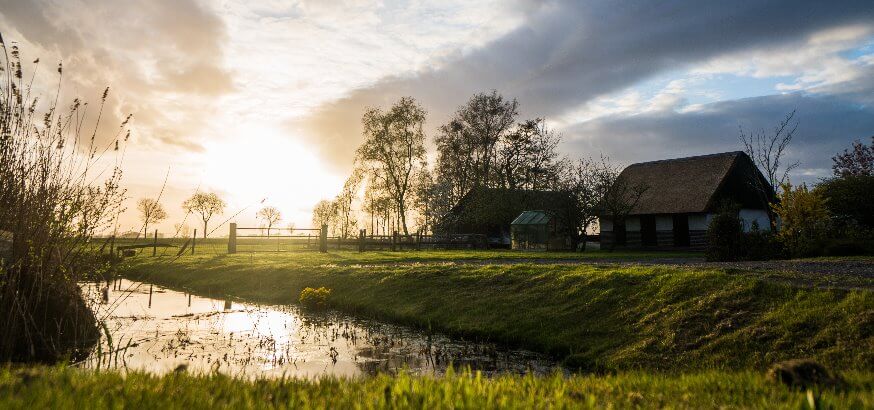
(157,330)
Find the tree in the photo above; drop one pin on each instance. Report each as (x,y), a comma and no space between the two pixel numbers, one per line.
(848,200)
(766,151)
(527,157)
(466,145)
(394,147)
(182,230)
(622,196)
(151,211)
(323,213)
(858,162)
(804,219)
(270,215)
(588,181)
(206,205)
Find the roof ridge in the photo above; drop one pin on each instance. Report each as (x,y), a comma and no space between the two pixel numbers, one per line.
(694,157)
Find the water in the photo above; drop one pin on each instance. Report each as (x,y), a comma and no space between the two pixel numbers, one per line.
(205,335)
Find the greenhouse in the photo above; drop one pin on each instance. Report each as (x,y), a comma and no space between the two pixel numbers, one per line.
(538,230)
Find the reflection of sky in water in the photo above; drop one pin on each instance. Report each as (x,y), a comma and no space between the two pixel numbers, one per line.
(238,338)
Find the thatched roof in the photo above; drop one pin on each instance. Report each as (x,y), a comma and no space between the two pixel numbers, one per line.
(695,184)
(490,211)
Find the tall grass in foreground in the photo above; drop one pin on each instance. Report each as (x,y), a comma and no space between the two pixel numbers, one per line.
(56,191)
(69,388)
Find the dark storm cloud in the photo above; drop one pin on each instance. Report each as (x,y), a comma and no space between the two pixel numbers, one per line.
(827,124)
(570,52)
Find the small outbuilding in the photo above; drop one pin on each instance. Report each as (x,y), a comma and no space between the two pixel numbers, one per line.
(538,230)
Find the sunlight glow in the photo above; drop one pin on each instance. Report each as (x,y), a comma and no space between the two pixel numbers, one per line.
(266,164)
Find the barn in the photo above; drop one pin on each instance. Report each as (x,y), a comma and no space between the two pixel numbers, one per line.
(491,211)
(681,196)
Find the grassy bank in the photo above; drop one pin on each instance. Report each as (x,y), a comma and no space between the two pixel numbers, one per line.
(71,388)
(596,317)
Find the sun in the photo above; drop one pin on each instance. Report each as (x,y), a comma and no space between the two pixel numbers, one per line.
(267,165)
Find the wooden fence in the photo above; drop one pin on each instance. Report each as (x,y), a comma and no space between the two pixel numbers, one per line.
(262,240)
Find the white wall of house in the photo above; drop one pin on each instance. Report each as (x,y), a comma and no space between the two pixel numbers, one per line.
(664,223)
(699,222)
(632,224)
(759,216)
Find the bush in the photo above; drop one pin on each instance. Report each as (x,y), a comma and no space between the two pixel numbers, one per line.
(848,200)
(725,236)
(314,298)
(758,245)
(804,220)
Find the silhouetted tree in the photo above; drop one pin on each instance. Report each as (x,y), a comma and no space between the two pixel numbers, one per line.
(856,162)
(394,147)
(270,215)
(151,211)
(323,213)
(766,151)
(466,145)
(589,181)
(206,205)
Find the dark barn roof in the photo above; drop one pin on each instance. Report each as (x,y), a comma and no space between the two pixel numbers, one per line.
(696,184)
(490,211)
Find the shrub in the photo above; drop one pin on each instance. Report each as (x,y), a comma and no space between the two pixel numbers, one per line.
(848,200)
(758,245)
(725,235)
(314,298)
(804,220)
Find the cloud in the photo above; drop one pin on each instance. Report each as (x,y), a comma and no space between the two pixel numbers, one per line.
(162,59)
(568,53)
(827,125)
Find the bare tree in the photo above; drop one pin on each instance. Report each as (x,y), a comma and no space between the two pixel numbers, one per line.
(589,181)
(182,230)
(621,198)
(151,211)
(347,220)
(270,215)
(394,146)
(767,150)
(206,205)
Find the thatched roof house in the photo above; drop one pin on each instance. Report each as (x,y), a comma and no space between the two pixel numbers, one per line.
(490,211)
(681,195)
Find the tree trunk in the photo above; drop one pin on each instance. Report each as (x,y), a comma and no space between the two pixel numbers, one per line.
(204,229)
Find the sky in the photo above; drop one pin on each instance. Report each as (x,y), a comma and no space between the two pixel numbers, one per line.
(262,100)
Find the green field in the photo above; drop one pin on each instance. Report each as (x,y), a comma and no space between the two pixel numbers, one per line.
(599,317)
(70,388)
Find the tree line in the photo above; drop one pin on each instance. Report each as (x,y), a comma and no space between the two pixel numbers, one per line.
(484,144)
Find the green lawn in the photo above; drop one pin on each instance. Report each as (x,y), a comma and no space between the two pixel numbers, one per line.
(594,317)
(71,388)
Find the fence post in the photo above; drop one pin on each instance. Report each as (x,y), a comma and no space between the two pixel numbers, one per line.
(323,239)
(232,238)
(361,235)
(193,240)
(155,244)
(394,241)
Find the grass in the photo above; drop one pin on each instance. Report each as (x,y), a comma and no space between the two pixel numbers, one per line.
(72,388)
(594,317)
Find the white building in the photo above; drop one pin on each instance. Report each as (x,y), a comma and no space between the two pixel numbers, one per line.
(680,197)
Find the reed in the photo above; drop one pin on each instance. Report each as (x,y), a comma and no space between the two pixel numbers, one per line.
(59,185)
